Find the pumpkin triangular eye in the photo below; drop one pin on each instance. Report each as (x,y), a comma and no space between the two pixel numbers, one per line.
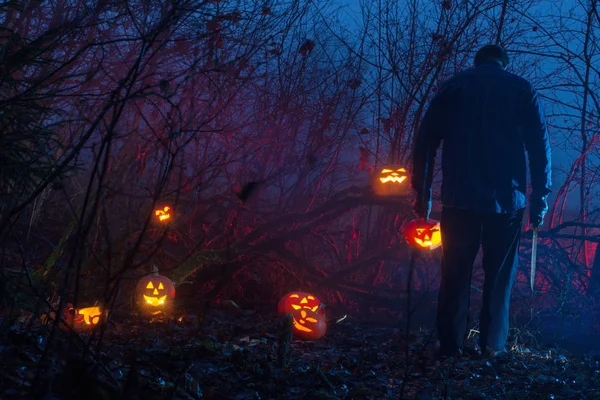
(160,286)
(149,285)
(167,209)
(420,231)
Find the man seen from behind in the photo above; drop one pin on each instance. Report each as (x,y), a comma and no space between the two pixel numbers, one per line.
(486,118)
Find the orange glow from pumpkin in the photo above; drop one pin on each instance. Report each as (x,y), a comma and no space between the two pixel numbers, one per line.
(91,315)
(163,215)
(303,302)
(154,294)
(393,176)
(155,299)
(390,180)
(308,324)
(299,300)
(83,319)
(423,235)
(301,324)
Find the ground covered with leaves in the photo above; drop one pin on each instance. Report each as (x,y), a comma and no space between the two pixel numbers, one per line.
(239,354)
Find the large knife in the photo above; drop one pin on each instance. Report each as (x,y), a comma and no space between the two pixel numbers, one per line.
(533,257)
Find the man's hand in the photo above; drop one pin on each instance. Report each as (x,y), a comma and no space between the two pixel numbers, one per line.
(422,208)
(538,207)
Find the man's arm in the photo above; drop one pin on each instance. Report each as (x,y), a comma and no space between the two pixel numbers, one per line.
(537,144)
(427,141)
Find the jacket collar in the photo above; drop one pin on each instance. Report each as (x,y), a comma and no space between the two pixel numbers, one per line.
(491,63)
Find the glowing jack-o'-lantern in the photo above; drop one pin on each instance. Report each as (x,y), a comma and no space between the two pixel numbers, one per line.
(92,315)
(390,180)
(154,293)
(423,235)
(79,319)
(308,324)
(299,300)
(163,215)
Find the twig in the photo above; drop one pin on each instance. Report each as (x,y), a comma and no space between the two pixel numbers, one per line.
(324,378)
(411,269)
(285,337)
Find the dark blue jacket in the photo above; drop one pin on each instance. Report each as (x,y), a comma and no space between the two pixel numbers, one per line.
(487,118)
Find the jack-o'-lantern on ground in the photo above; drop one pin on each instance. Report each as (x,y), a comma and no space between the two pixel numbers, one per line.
(92,315)
(390,180)
(154,294)
(423,235)
(299,300)
(308,325)
(163,215)
(79,319)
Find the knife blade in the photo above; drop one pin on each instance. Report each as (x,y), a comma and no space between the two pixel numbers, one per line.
(533,257)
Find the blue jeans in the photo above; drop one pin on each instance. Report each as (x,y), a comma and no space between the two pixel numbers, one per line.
(463,232)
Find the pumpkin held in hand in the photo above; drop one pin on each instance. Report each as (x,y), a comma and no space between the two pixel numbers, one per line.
(154,293)
(299,300)
(423,235)
(308,325)
(390,180)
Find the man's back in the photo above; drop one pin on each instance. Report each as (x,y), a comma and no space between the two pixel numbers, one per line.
(485,116)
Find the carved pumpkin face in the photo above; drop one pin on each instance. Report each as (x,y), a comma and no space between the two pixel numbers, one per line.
(83,319)
(423,235)
(91,315)
(390,180)
(308,324)
(154,292)
(299,301)
(158,295)
(163,215)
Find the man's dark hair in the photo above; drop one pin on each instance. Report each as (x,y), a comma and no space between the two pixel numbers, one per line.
(491,53)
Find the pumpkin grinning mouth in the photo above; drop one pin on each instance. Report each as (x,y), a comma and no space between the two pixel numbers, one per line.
(155,301)
(300,327)
(423,242)
(398,179)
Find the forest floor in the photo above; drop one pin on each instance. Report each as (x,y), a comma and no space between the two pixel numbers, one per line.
(234,354)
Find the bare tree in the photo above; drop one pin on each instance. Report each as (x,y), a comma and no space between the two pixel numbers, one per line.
(260,125)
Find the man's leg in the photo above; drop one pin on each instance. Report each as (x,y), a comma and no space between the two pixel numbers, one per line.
(500,242)
(461,233)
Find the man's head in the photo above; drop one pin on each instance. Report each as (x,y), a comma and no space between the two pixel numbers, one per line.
(491,54)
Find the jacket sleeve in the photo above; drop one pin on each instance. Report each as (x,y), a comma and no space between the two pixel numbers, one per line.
(537,144)
(427,141)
